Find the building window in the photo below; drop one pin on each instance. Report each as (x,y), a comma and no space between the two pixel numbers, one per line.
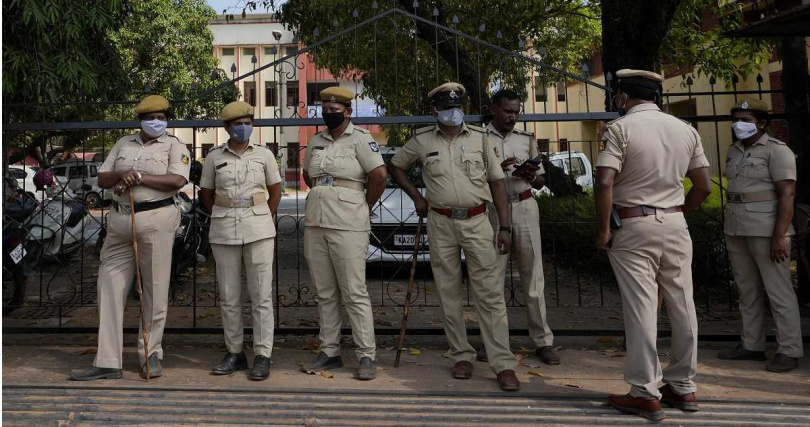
(270,94)
(563,144)
(227,51)
(292,50)
(248,51)
(561,92)
(250,93)
(270,50)
(542,146)
(93,171)
(293,149)
(314,92)
(292,94)
(539,90)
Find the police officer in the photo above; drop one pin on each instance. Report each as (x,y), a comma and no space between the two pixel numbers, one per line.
(642,161)
(761,172)
(513,147)
(236,179)
(153,165)
(346,174)
(462,173)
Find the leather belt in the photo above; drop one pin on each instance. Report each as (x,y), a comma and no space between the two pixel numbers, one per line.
(759,196)
(519,197)
(461,213)
(240,201)
(126,208)
(331,181)
(637,211)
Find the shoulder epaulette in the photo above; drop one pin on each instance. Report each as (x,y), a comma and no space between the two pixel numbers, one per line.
(523,132)
(615,120)
(776,141)
(218,147)
(476,128)
(362,130)
(424,129)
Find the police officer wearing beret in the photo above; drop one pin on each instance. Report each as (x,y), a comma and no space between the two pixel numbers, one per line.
(461,174)
(237,178)
(346,174)
(761,172)
(642,161)
(154,166)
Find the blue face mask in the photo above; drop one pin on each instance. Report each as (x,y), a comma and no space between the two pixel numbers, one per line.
(153,128)
(240,133)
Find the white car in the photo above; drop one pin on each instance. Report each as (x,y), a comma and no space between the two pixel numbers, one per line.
(573,163)
(25,179)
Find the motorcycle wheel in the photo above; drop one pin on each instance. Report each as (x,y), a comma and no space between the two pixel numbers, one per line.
(13,290)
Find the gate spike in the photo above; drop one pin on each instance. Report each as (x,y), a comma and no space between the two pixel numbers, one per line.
(499,35)
(759,78)
(712,80)
(435,11)
(315,32)
(689,81)
(609,76)
(735,79)
(374,5)
(455,19)
(482,28)
(542,51)
(147,89)
(585,68)
(335,23)
(415,4)
(521,44)
(355,14)
(253,59)
(233,67)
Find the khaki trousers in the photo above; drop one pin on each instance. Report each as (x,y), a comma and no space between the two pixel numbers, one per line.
(475,236)
(337,264)
(525,217)
(258,260)
(757,275)
(648,254)
(116,275)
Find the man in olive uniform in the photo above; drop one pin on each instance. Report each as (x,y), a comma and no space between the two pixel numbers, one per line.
(513,147)
(236,179)
(153,165)
(461,174)
(346,174)
(761,172)
(642,162)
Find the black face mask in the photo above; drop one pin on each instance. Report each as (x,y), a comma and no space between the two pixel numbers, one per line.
(333,120)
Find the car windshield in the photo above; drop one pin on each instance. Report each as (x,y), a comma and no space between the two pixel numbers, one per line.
(415,174)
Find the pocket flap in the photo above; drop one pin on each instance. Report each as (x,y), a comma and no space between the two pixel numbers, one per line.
(763,207)
(261,209)
(351,196)
(219,211)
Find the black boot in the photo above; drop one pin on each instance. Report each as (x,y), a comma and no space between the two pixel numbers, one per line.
(322,362)
(231,363)
(93,373)
(261,368)
(783,363)
(741,353)
(367,370)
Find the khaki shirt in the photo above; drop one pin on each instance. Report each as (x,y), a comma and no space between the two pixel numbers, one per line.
(352,156)
(233,175)
(755,170)
(651,152)
(453,170)
(166,155)
(520,145)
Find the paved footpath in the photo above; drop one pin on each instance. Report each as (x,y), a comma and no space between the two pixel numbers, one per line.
(420,392)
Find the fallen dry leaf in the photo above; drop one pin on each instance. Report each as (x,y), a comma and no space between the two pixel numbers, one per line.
(90,351)
(415,352)
(327,374)
(573,385)
(312,346)
(535,373)
(447,354)
(606,340)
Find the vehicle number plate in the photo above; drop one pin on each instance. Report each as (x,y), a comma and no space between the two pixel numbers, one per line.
(17,254)
(408,240)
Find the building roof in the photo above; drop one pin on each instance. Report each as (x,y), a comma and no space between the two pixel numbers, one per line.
(793,22)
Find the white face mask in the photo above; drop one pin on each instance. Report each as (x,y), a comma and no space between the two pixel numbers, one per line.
(153,128)
(452,117)
(744,130)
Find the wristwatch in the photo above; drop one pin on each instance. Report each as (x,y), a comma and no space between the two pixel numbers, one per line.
(140,177)
(506,229)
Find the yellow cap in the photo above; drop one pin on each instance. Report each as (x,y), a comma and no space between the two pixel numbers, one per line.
(152,104)
(626,72)
(750,104)
(337,94)
(236,110)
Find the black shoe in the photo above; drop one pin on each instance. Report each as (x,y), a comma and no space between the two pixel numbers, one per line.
(481,355)
(261,368)
(231,363)
(155,370)
(740,353)
(783,363)
(547,355)
(367,370)
(93,373)
(322,362)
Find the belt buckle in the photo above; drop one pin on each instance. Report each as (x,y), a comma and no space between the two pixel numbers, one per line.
(734,197)
(242,202)
(514,197)
(326,181)
(124,208)
(459,213)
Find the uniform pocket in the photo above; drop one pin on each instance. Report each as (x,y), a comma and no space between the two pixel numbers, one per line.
(262,209)
(434,166)
(223,171)
(351,196)
(256,172)
(124,163)
(158,163)
(219,211)
(474,166)
(761,207)
(345,158)
(756,168)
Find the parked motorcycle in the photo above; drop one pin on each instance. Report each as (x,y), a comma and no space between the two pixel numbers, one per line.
(18,207)
(57,228)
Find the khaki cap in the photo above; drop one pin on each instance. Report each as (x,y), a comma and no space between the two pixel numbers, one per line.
(338,94)
(752,104)
(236,110)
(450,94)
(152,104)
(627,72)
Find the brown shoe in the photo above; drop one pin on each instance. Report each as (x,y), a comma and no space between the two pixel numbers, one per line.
(647,407)
(685,402)
(462,370)
(508,380)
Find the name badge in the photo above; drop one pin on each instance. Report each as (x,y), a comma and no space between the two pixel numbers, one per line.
(433,154)
(318,147)
(220,166)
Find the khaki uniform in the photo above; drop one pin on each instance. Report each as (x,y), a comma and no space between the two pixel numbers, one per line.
(456,177)
(525,222)
(242,231)
(748,227)
(155,229)
(652,152)
(337,234)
